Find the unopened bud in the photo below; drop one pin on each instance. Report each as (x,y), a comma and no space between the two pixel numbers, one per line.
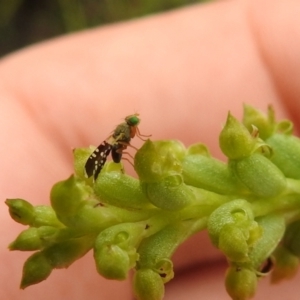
(235,140)
(240,282)
(36,269)
(148,285)
(21,211)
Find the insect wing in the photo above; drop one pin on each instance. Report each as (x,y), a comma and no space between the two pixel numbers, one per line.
(97,160)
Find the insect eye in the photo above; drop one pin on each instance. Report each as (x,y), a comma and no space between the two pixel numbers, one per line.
(132,120)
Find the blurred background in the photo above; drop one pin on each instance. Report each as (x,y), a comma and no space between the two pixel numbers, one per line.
(24,22)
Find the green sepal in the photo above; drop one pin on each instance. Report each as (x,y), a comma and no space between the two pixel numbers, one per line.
(80,156)
(286,154)
(173,147)
(198,149)
(286,265)
(156,250)
(25,213)
(156,160)
(67,197)
(233,244)
(273,227)
(119,189)
(148,285)
(45,216)
(264,123)
(63,254)
(259,175)
(211,174)
(292,238)
(235,140)
(170,193)
(21,211)
(164,268)
(95,216)
(36,269)
(113,262)
(115,249)
(240,282)
(237,213)
(285,127)
(33,238)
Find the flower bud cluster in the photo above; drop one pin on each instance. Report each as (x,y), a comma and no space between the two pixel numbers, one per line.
(248,204)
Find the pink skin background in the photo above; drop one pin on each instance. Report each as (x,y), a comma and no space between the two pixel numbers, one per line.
(182,71)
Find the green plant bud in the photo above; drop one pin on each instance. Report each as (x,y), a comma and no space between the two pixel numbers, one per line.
(273,227)
(27,240)
(198,149)
(67,197)
(115,249)
(292,238)
(235,140)
(259,175)
(264,124)
(63,254)
(233,244)
(170,193)
(237,213)
(240,283)
(176,147)
(36,269)
(113,262)
(21,211)
(33,238)
(80,157)
(286,154)
(94,216)
(126,235)
(285,127)
(111,166)
(164,268)
(255,233)
(286,265)
(156,160)
(156,250)
(210,174)
(45,216)
(148,285)
(121,190)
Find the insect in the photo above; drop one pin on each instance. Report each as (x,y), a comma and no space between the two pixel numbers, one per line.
(114,144)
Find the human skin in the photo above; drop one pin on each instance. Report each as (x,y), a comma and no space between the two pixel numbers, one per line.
(182,71)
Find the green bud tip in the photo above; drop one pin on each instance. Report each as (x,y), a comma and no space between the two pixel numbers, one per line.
(264,124)
(21,211)
(235,140)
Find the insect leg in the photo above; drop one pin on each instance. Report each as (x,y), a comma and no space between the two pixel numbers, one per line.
(125,158)
(140,136)
(117,153)
(127,145)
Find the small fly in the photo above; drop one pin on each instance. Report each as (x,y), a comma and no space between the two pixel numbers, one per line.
(114,144)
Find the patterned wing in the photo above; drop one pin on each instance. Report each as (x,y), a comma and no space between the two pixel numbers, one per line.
(97,160)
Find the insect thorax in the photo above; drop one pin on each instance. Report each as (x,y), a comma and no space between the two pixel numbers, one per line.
(122,133)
